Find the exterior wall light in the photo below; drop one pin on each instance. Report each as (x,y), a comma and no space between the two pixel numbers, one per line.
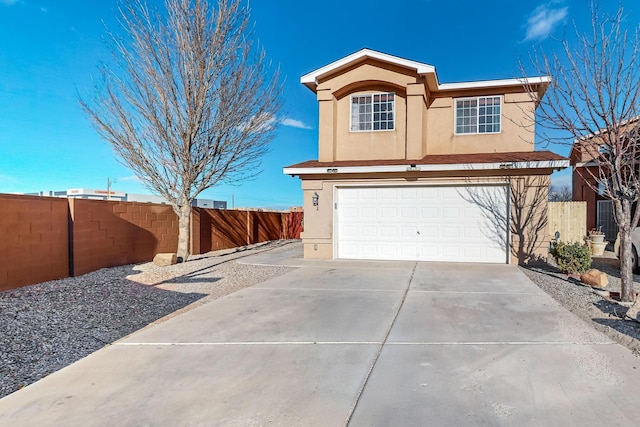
(315,199)
(332,170)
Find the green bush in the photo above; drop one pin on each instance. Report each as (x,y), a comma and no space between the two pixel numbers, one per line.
(572,257)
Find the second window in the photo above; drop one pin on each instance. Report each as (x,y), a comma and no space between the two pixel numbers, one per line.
(478,115)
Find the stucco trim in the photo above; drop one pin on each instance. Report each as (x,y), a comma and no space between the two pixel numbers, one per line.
(548,164)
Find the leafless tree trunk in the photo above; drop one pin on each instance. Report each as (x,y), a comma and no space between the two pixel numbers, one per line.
(187,102)
(594,101)
(527,217)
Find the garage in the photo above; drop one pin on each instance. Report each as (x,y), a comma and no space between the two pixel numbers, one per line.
(422,223)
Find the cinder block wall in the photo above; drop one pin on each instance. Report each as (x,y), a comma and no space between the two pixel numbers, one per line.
(36,244)
(33,240)
(108,234)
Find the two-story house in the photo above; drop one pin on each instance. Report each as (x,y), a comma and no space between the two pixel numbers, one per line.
(410,168)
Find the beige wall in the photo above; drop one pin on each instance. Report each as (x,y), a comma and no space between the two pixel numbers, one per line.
(424,121)
(318,221)
(388,144)
(516,130)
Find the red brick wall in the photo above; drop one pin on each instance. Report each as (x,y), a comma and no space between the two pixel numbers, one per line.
(33,240)
(107,234)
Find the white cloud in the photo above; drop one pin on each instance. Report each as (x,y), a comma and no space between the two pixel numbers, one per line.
(8,2)
(543,20)
(295,123)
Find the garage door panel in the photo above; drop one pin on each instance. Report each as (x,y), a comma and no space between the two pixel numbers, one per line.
(418,223)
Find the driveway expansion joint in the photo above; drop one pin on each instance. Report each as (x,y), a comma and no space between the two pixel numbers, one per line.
(377,356)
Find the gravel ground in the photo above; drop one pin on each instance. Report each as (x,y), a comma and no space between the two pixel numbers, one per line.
(602,314)
(47,326)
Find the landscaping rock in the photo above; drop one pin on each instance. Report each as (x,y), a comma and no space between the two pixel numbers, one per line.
(595,278)
(165,259)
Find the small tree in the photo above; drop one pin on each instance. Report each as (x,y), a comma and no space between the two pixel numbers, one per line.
(188,102)
(560,194)
(594,101)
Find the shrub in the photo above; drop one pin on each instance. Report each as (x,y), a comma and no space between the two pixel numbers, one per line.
(571,257)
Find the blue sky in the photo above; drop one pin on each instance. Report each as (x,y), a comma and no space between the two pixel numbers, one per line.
(49,51)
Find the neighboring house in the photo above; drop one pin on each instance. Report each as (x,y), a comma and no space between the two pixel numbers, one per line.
(584,157)
(412,169)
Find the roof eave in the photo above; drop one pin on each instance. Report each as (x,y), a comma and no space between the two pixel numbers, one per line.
(330,170)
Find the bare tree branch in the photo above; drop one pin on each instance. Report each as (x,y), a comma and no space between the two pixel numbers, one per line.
(189,102)
(594,102)
(560,194)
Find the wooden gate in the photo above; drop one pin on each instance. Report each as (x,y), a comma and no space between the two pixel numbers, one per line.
(569,219)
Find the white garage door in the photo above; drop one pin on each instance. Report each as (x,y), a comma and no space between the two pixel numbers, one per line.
(422,223)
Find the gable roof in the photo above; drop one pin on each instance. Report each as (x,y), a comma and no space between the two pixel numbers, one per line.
(311,79)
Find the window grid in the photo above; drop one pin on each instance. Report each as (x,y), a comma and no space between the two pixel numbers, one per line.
(372,112)
(478,115)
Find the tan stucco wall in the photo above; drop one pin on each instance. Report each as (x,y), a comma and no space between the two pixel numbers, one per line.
(516,130)
(424,122)
(388,144)
(318,221)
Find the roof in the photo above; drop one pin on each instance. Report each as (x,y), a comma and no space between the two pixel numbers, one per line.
(595,139)
(442,159)
(436,162)
(311,79)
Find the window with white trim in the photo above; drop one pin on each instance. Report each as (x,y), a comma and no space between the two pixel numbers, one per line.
(478,115)
(372,112)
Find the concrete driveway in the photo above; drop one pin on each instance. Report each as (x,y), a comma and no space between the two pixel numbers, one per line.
(358,343)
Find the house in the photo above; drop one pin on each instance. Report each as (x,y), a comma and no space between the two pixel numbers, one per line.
(410,168)
(586,157)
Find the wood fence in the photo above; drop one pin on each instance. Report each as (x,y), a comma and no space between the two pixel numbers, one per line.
(569,219)
(45,238)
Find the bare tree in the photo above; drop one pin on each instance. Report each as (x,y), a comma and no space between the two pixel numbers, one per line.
(560,193)
(594,101)
(188,102)
(526,219)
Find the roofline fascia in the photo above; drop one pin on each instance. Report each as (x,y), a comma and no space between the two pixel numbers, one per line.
(481,84)
(330,170)
(312,77)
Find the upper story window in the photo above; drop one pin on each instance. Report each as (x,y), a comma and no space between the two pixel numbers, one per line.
(478,115)
(372,112)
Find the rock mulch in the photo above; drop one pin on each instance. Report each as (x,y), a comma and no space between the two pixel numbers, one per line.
(47,326)
(582,300)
